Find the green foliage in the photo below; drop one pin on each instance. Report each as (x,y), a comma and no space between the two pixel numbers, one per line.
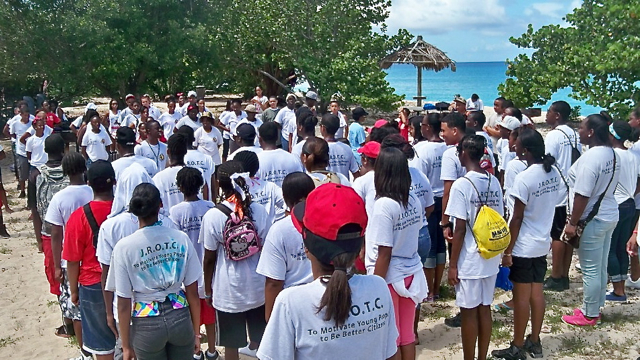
(111,48)
(596,55)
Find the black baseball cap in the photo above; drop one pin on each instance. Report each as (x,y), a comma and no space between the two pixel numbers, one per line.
(246,131)
(358,113)
(125,136)
(101,173)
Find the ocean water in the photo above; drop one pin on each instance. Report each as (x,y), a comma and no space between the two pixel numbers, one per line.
(481,78)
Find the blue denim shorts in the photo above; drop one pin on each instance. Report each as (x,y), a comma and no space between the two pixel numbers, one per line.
(97,337)
(424,243)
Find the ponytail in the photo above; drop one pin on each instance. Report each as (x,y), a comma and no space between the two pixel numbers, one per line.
(336,300)
(547,162)
(245,204)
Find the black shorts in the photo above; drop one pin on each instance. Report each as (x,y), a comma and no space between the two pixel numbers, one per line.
(232,327)
(559,221)
(528,270)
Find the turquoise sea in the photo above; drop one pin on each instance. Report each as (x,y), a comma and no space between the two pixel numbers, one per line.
(481,78)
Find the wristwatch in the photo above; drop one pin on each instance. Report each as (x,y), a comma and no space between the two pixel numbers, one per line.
(447,225)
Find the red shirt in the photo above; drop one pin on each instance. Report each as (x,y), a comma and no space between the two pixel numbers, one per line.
(52,120)
(78,241)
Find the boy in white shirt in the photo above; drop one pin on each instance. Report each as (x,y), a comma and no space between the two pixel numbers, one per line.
(341,158)
(165,180)
(473,276)
(275,164)
(17,129)
(152,148)
(95,142)
(245,140)
(35,145)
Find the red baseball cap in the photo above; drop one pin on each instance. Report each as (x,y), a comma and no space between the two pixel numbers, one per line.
(332,221)
(192,107)
(370,149)
(378,124)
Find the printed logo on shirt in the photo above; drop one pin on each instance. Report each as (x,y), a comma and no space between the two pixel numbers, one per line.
(161,157)
(375,320)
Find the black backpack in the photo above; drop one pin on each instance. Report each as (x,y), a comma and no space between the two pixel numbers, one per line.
(575,152)
(93,224)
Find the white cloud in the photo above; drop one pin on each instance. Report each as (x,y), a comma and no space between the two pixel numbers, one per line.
(547,9)
(441,16)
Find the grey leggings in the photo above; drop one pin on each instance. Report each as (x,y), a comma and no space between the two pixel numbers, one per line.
(168,336)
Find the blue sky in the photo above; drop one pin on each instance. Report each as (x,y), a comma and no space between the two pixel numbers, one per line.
(475,30)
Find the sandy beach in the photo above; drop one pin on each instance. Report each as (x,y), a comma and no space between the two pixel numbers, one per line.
(30,314)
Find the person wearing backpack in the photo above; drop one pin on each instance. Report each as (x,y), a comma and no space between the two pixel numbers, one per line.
(84,270)
(472,274)
(391,245)
(563,143)
(233,233)
(315,157)
(592,180)
(534,193)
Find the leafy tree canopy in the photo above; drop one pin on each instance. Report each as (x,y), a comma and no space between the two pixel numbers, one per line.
(112,48)
(596,55)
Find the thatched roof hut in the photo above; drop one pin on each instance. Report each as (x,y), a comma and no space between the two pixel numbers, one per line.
(422,55)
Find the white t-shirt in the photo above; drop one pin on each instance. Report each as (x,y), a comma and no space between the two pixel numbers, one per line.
(117,228)
(365,187)
(96,144)
(18,128)
(492,122)
(296,151)
(230,121)
(343,126)
(114,122)
(276,164)
(270,196)
(165,181)
(287,119)
(152,263)
(429,160)
(188,218)
(209,143)
(514,168)
(188,122)
(124,162)
(283,256)
(237,287)
(590,175)
(131,119)
(35,146)
(635,150)
(297,331)
(540,192)
(395,226)
(322,177)
(463,204)
(256,124)
(156,153)
(341,159)
(451,169)
(505,154)
(254,148)
(629,174)
(64,203)
(422,189)
(202,162)
(560,147)
(262,100)
(168,122)
(477,105)
(154,112)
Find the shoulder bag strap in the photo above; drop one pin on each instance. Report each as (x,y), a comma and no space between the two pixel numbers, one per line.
(93,224)
(596,206)
(224,209)
(566,184)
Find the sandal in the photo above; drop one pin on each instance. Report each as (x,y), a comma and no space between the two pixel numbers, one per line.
(61,331)
(502,307)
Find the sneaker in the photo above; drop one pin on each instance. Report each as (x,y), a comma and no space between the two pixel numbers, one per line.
(534,349)
(554,284)
(578,267)
(598,319)
(578,319)
(611,296)
(565,283)
(82,357)
(511,353)
(210,356)
(632,284)
(246,351)
(454,322)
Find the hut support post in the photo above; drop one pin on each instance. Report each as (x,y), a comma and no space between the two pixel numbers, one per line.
(419,97)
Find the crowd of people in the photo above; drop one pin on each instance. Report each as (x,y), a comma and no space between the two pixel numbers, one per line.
(282,244)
